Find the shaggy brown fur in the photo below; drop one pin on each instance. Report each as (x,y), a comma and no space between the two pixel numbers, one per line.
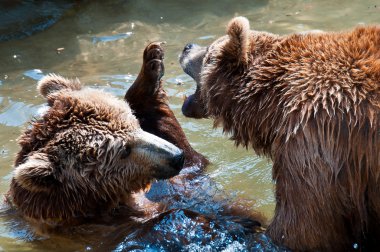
(149,102)
(85,157)
(311,102)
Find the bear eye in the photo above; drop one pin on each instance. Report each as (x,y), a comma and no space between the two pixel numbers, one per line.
(125,152)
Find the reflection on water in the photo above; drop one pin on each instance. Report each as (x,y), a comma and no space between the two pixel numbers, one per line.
(111,38)
(101,42)
(35,74)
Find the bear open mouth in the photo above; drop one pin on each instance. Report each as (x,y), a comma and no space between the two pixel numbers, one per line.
(191,60)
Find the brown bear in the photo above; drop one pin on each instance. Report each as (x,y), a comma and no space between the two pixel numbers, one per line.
(310,102)
(85,157)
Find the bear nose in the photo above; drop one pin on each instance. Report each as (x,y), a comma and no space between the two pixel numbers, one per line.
(188,47)
(178,161)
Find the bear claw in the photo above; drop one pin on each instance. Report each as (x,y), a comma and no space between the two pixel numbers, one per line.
(153,60)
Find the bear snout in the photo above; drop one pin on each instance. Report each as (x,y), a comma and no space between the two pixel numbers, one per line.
(169,168)
(164,159)
(191,60)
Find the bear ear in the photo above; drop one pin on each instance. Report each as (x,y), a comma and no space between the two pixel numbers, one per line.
(36,173)
(238,31)
(52,83)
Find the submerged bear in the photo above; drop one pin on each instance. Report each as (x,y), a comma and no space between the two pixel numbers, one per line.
(85,156)
(310,102)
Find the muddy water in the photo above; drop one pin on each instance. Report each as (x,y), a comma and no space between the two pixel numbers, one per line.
(102,45)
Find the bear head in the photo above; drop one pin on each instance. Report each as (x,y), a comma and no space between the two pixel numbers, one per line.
(228,55)
(86,154)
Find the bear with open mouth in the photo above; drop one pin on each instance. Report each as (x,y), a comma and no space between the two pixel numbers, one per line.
(309,102)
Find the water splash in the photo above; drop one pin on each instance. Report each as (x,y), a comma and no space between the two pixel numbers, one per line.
(195,221)
(180,231)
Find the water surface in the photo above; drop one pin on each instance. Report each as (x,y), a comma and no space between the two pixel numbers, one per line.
(101,43)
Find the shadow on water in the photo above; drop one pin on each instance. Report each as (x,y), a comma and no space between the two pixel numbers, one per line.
(19,19)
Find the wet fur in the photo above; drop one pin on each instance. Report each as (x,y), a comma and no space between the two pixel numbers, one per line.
(310,102)
(75,162)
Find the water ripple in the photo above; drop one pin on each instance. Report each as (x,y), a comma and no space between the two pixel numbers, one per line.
(110,38)
(35,74)
(17,113)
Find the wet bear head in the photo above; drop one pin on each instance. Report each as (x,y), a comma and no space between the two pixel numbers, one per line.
(85,154)
(227,56)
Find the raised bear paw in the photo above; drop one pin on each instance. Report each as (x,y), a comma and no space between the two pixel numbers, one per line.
(153,65)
